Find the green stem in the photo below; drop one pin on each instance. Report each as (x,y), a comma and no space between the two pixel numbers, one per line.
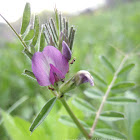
(81,128)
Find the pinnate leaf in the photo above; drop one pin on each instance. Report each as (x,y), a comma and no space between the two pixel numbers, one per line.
(110,134)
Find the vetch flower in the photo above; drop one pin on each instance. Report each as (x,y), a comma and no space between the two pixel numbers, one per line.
(51,65)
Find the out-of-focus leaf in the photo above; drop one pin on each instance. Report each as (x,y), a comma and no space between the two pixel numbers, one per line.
(120,100)
(57,20)
(43,114)
(36,28)
(99,78)
(110,134)
(93,93)
(30,35)
(111,116)
(42,42)
(18,129)
(15,105)
(136,130)
(66,120)
(83,105)
(107,64)
(123,86)
(26,18)
(126,69)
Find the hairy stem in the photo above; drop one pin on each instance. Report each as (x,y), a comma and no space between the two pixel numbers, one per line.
(74,118)
(106,95)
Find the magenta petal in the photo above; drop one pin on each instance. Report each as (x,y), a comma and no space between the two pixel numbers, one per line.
(40,68)
(66,51)
(55,57)
(49,66)
(55,74)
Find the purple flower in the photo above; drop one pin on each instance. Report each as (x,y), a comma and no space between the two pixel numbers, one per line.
(51,65)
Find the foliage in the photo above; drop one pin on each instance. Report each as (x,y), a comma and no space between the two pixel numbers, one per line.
(95,36)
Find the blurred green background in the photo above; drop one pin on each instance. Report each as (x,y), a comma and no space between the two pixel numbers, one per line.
(97,33)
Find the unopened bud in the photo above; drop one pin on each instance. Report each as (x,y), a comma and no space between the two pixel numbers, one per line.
(79,78)
(83,76)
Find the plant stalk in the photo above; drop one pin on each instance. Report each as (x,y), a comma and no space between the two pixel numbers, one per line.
(106,95)
(74,118)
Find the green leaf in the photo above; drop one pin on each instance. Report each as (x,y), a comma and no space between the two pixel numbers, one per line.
(30,35)
(57,20)
(93,93)
(29,74)
(123,86)
(83,105)
(120,100)
(110,134)
(136,130)
(98,77)
(126,69)
(26,18)
(42,42)
(111,116)
(36,28)
(107,64)
(28,54)
(18,129)
(43,114)
(66,120)
(15,105)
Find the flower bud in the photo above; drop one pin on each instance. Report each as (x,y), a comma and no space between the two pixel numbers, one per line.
(79,78)
(83,76)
